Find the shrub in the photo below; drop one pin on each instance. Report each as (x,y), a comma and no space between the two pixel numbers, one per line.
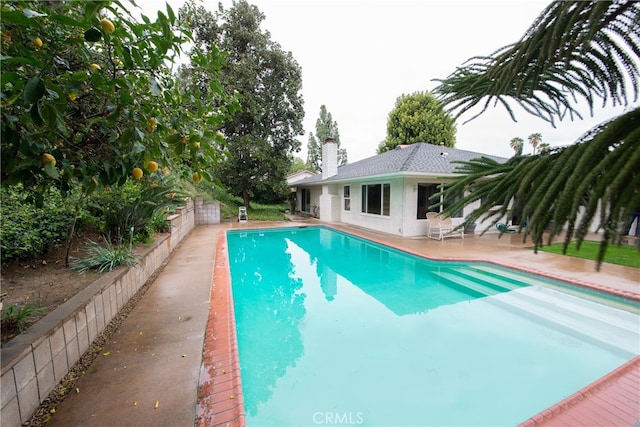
(16,317)
(133,205)
(32,223)
(105,258)
(159,223)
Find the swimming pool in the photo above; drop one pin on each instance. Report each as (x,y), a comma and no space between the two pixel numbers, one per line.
(336,330)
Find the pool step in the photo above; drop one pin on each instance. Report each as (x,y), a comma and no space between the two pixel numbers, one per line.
(573,300)
(494,281)
(531,297)
(607,326)
(467,285)
(532,280)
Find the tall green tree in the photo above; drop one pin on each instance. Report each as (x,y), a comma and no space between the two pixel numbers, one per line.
(297,164)
(535,139)
(326,127)
(418,117)
(517,143)
(261,137)
(574,50)
(544,148)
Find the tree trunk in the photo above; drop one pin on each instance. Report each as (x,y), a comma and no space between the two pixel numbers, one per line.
(245,198)
(72,232)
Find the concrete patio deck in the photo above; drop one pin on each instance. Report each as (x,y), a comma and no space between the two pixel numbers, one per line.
(162,367)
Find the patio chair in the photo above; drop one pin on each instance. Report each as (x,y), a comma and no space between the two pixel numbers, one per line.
(242,214)
(443,227)
(432,218)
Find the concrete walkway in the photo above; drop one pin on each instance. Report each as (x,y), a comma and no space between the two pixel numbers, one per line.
(147,373)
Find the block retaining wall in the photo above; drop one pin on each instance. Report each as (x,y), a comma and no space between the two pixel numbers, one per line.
(33,363)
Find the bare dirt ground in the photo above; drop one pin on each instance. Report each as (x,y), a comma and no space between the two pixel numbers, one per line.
(43,282)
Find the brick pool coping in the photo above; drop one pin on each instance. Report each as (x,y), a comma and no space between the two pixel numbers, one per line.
(220,394)
(220,398)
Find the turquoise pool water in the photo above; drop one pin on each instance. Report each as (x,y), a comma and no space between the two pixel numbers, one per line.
(335,330)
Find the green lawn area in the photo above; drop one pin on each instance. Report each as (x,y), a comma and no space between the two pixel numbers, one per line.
(257,211)
(622,255)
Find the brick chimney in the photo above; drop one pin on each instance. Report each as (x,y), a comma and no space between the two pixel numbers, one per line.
(329,158)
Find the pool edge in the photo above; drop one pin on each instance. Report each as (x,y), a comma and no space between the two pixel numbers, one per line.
(220,398)
(568,410)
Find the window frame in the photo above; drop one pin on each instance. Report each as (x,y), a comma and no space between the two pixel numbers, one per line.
(376,199)
(305,200)
(346,196)
(421,211)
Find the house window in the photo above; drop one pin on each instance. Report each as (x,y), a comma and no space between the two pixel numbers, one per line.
(427,197)
(347,198)
(425,192)
(376,199)
(448,203)
(305,202)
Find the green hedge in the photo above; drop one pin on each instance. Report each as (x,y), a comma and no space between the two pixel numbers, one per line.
(28,230)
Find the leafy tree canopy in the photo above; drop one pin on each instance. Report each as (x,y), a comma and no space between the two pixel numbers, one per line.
(574,50)
(262,135)
(326,127)
(418,117)
(297,164)
(88,96)
(517,144)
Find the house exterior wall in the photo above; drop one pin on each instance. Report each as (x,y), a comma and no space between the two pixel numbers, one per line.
(315,193)
(402,219)
(329,203)
(391,224)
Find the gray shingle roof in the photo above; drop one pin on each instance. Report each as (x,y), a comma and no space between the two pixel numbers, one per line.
(419,158)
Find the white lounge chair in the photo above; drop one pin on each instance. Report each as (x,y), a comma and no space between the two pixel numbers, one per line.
(242,214)
(443,227)
(432,218)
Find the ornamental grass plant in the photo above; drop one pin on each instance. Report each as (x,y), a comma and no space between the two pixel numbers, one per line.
(105,258)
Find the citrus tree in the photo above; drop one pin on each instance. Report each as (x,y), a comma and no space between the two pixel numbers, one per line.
(88,97)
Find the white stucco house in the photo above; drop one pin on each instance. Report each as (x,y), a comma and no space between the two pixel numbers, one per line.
(388,192)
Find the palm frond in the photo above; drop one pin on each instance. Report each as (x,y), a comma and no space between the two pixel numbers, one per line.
(574,50)
(564,190)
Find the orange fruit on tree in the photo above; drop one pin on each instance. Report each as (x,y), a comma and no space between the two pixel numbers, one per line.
(152,124)
(37,42)
(152,166)
(137,173)
(107,26)
(48,158)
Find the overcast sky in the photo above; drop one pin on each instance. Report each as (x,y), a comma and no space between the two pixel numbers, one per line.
(358,56)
